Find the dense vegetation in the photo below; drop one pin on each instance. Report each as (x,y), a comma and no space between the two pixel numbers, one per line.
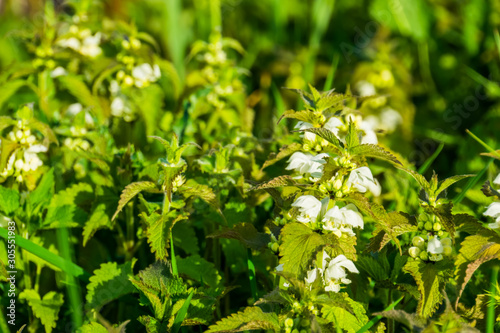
(232,165)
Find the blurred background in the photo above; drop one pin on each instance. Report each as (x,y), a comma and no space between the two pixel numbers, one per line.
(434,62)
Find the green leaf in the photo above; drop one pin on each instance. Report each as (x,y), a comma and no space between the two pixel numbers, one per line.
(193,189)
(276,182)
(159,229)
(81,92)
(299,247)
(67,216)
(7,149)
(92,328)
(369,150)
(109,282)
(327,135)
(443,212)
(182,313)
(8,89)
(185,238)
(481,246)
(306,97)
(46,309)
(199,269)
(130,191)
(9,200)
(98,220)
(444,184)
(429,283)
(345,313)
(352,138)
(412,320)
(149,100)
(284,152)
(307,116)
(252,318)
(246,234)
(44,191)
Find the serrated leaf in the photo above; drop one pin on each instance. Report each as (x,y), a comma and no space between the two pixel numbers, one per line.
(429,285)
(445,217)
(199,269)
(193,189)
(159,229)
(276,182)
(372,267)
(444,184)
(327,135)
(424,184)
(68,216)
(410,320)
(481,246)
(352,137)
(5,122)
(7,149)
(284,152)
(246,234)
(45,309)
(298,248)
(9,200)
(184,236)
(130,191)
(98,220)
(306,97)
(92,328)
(252,318)
(306,116)
(375,151)
(345,313)
(109,282)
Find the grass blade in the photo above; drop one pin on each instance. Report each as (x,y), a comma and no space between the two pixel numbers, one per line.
(41,252)
(484,144)
(72,286)
(431,159)
(473,181)
(331,73)
(175,272)
(182,313)
(375,319)
(251,275)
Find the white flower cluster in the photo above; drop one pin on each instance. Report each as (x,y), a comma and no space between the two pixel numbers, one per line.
(140,76)
(432,249)
(335,220)
(82,41)
(25,159)
(493,210)
(332,272)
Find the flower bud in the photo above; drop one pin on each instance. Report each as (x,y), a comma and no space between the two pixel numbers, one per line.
(414,251)
(436,226)
(289,322)
(447,250)
(337,185)
(423,255)
(418,241)
(323,188)
(275,247)
(428,225)
(306,147)
(440,233)
(125,44)
(446,242)
(420,225)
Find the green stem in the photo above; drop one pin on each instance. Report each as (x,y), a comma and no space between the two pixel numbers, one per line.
(173,260)
(490,312)
(375,319)
(251,275)
(484,144)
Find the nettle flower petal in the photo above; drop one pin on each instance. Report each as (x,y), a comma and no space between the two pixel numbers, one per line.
(352,216)
(336,267)
(362,180)
(311,276)
(333,125)
(302,125)
(434,246)
(493,210)
(333,286)
(300,162)
(309,207)
(497,180)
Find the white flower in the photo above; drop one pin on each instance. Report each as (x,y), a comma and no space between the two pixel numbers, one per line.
(302,125)
(333,125)
(339,220)
(390,119)
(58,71)
(279,268)
(145,73)
(497,180)
(72,43)
(493,210)
(90,46)
(367,127)
(309,208)
(435,249)
(74,109)
(307,163)
(335,273)
(362,180)
(365,88)
(313,274)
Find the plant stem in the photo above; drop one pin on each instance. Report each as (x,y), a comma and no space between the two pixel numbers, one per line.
(490,312)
